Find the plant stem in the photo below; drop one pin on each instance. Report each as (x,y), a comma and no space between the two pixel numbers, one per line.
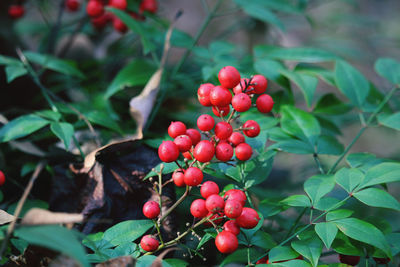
(179,201)
(159,232)
(370,119)
(296,222)
(316,158)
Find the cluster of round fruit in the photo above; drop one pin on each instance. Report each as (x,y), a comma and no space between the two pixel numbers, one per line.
(100,18)
(16,10)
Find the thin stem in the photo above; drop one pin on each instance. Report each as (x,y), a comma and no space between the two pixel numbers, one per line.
(248,256)
(249,198)
(311,214)
(370,119)
(318,162)
(179,201)
(179,165)
(296,222)
(72,37)
(158,231)
(55,29)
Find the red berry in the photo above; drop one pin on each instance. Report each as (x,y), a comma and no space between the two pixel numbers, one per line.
(151,209)
(193,176)
(176,128)
(16,11)
(2,178)
(233,208)
(177,177)
(149,243)
(223,130)
(236,194)
(220,96)
(215,203)
(119,25)
(187,155)
(203,94)
(194,135)
(216,218)
(263,260)
(241,87)
(381,260)
(72,5)
(168,151)
(226,242)
(94,8)
(232,226)
(243,151)
(248,219)
(198,208)
(253,129)
(348,259)
(205,122)
(229,77)
(183,142)
(236,138)
(264,103)
(241,102)
(101,21)
(204,151)
(209,188)
(260,84)
(223,151)
(148,5)
(120,4)
(218,110)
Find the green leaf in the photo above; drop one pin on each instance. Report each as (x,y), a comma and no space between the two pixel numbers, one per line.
(240,256)
(310,249)
(316,71)
(351,83)
(329,104)
(364,232)
(21,126)
(342,244)
(14,72)
(375,197)
(54,237)
(258,168)
(318,186)
(270,207)
(269,68)
(64,131)
(306,83)
(176,262)
(282,253)
(29,204)
(303,54)
(102,118)
(356,160)
(127,231)
(181,39)
(389,69)
(349,179)
(53,63)
(263,240)
(300,124)
(386,172)
(327,203)
(168,168)
(297,201)
(329,145)
(137,72)
(135,26)
(49,114)
(327,232)
(9,61)
(390,120)
(293,146)
(394,241)
(204,240)
(338,214)
(290,263)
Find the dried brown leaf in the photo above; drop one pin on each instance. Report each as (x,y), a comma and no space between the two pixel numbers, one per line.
(41,216)
(5,217)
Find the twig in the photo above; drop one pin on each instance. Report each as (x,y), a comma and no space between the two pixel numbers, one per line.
(21,202)
(179,201)
(71,39)
(318,162)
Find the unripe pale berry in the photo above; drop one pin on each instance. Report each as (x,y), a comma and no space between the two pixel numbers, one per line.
(203,94)
(168,151)
(260,84)
(235,194)
(218,111)
(120,4)
(243,151)
(226,242)
(215,203)
(233,208)
(205,122)
(248,219)
(223,130)
(176,128)
(198,208)
(183,142)
(209,188)
(264,103)
(178,179)
(241,102)
(149,6)
(2,178)
(204,151)
(194,135)
(223,151)
(193,176)
(229,77)
(232,226)
(220,96)
(94,8)
(149,243)
(236,138)
(252,129)
(151,209)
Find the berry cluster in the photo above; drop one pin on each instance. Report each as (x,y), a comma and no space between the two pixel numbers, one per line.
(16,10)
(220,140)
(100,18)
